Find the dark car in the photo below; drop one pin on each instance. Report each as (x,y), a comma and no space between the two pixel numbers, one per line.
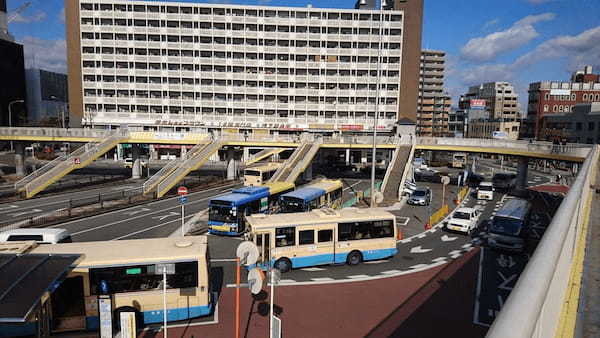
(504,181)
(473,179)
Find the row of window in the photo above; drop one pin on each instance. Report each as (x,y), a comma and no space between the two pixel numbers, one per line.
(559,108)
(573,97)
(232,111)
(346,232)
(238,41)
(250,12)
(249,27)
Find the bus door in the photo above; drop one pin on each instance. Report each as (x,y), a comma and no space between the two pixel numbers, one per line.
(325,244)
(263,242)
(68,305)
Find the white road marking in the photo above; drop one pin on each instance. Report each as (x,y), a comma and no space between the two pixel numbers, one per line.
(223,260)
(352,185)
(358,276)
(418,249)
(321,279)
(455,256)
(150,228)
(287,281)
(447,238)
(404,221)
(312,269)
(439,259)
(8,207)
(454,252)
(375,262)
(421,236)
(418,266)
(390,272)
(32,211)
(408,240)
(468,245)
(134,212)
(161,217)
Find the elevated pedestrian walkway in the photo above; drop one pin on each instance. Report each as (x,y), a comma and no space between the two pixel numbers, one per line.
(53,171)
(297,163)
(396,172)
(195,160)
(265,153)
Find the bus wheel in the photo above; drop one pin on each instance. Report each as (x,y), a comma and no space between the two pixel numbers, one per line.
(354,258)
(283,265)
(117,317)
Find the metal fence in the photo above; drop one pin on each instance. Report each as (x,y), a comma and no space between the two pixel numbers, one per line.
(534,305)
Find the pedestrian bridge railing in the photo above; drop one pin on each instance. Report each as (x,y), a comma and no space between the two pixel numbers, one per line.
(534,306)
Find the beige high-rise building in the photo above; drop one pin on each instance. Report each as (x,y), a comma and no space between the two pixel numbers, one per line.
(433,104)
(498,112)
(179,66)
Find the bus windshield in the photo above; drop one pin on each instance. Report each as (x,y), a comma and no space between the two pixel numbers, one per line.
(252,173)
(506,226)
(292,204)
(485,188)
(221,214)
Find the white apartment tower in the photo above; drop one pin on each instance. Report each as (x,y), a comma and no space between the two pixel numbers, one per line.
(176,66)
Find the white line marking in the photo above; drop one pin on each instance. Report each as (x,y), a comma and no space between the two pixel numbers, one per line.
(468,245)
(408,240)
(447,238)
(421,236)
(375,262)
(32,211)
(321,279)
(455,256)
(418,266)
(8,207)
(439,259)
(287,281)
(223,260)
(454,252)
(478,290)
(358,276)
(390,272)
(352,185)
(419,249)
(312,269)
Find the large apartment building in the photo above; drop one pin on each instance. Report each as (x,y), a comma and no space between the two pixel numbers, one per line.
(555,97)
(433,104)
(493,110)
(178,66)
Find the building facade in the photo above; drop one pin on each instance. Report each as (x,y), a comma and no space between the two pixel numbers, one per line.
(493,111)
(179,66)
(457,123)
(580,125)
(47,97)
(433,103)
(552,97)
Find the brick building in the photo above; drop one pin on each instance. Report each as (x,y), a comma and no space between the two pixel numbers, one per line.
(433,104)
(555,97)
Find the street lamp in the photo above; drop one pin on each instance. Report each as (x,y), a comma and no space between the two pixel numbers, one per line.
(10,117)
(373,161)
(62,111)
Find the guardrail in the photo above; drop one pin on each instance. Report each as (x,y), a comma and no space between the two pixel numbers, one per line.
(534,305)
(20,184)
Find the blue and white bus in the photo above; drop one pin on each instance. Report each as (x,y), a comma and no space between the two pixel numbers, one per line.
(226,213)
(510,226)
(325,193)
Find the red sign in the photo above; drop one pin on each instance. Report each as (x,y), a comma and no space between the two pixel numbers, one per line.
(182,191)
(352,127)
(76,160)
(477,104)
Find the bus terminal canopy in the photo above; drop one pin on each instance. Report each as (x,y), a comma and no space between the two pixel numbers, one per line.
(25,279)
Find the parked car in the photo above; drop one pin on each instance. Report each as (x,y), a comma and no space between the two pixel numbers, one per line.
(42,236)
(463,220)
(421,196)
(419,163)
(504,181)
(409,188)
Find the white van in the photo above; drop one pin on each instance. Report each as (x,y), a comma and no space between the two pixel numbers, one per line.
(485,191)
(41,236)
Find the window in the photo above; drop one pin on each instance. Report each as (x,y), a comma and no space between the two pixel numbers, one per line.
(365,230)
(555,108)
(306,237)
(285,237)
(325,236)
(142,278)
(585,97)
(591,126)
(547,96)
(573,97)
(19,238)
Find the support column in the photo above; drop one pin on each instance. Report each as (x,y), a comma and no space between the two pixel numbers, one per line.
(183,151)
(231,164)
(246,154)
(136,166)
(308,176)
(19,158)
(347,156)
(522,172)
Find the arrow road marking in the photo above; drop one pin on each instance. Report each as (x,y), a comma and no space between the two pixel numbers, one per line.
(134,212)
(32,211)
(418,249)
(447,238)
(160,218)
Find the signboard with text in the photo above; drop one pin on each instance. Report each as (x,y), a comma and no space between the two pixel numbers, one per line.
(477,104)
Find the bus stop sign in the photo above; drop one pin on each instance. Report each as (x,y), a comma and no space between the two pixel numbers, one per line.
(182,191)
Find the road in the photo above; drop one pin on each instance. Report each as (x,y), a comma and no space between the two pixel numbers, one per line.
(19,210)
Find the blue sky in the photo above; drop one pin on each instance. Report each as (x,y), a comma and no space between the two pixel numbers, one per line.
(520,41)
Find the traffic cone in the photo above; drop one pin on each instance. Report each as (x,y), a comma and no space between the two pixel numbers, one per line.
(400,235)
(427,226)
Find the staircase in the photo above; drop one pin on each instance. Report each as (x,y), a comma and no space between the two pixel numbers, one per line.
(191,163)
(297,163)
(396,173)
(265,153)
(58,168)
(151,184)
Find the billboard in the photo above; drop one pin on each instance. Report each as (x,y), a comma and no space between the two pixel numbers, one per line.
(499,135)
(477,104)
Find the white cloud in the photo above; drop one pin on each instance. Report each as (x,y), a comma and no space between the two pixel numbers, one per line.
(491,23)
(45,54)
(487,73)
(487,48)
(37,17)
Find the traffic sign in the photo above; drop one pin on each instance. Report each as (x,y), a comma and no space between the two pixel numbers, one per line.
(183,199)
(76,160)
(255,280)
(247,252)
(445,180)
(181,191)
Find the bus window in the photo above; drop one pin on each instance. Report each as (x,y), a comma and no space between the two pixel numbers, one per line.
(285,237)
(306,237)
(142,278)
(325,236)
(221,214)
(365,230)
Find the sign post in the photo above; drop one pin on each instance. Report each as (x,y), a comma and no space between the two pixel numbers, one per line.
(182,192)
(167,268)
(445,182)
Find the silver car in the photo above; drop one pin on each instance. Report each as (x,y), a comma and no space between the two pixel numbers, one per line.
(421,196)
